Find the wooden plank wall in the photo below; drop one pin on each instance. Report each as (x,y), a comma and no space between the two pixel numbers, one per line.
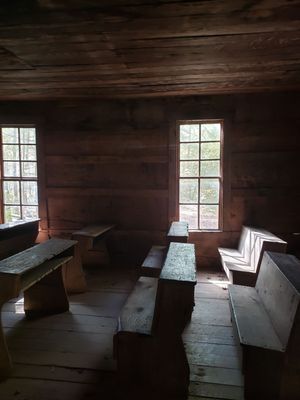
(109,161)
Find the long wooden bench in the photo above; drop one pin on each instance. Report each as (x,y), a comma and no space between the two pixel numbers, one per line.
(37,272)
(148,345)
(154,260)
(242,265)
(17,236)
(92,243)
(267,324)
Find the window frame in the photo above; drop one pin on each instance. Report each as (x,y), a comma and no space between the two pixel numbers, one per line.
(19,179)
(221,178)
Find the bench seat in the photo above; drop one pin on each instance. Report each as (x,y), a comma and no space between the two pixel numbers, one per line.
(266,323)
(137,313)
(242,265)
(253,324)
(154,261)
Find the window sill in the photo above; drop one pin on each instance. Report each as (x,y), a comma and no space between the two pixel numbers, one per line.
(205,231)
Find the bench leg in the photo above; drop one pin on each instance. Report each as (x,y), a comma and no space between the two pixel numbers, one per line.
(73,274)
(47,296)
(5,360)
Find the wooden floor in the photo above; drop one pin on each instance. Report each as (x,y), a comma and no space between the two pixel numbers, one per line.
(69,356)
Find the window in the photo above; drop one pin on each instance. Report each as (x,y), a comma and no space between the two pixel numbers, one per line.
(19,173)
(200,174)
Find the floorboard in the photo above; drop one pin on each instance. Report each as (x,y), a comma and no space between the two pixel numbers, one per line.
(69,356)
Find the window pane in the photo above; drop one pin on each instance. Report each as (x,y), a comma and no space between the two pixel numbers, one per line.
(210,168)
(10,135)
(27,135)
(189,168)
(28,152)
(209,217)
(188,190)
(189,151)
(210,132)
(29,193)
(10,152)
(209,190)
(210,150)
(29,169)
(11,192)
(29,212)
(11,169)
(11,213)
(189,133)
(189,213)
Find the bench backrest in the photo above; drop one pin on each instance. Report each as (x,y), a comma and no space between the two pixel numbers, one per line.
(178,232)
(278,285)
(175,291)
(255,241)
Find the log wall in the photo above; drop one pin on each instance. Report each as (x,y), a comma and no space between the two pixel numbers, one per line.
(112,161)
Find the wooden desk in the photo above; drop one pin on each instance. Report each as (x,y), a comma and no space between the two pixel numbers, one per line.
(38,272)
(17,236)
(92,243)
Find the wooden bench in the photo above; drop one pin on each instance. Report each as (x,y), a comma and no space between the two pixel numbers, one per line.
(267,324)
(17,236)
(92,243)
(178,232)
(148,345)
(37,272)
(154,260)
(242,265)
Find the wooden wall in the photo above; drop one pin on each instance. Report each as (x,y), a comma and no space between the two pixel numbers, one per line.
(111,161)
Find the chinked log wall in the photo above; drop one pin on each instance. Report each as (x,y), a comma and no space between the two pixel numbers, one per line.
(108,161)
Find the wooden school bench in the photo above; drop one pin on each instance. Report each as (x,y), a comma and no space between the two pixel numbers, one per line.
(154,260)
(37,272)
(17,236)
(266,319)
(242,265)
(92,243)
(148,345)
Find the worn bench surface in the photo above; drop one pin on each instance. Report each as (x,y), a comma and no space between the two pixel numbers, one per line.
(137,314)
(178,232)
(36,255)
(253,323)
(180,263)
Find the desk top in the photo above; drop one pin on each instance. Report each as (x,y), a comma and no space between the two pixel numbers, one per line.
(179,229)
(94,230)
(180,264)
(26,260)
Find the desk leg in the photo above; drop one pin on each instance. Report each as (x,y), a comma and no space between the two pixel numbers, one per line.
(47,296)
(73,274)
(5,360)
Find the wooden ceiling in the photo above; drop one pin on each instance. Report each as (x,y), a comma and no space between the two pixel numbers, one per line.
(51,49)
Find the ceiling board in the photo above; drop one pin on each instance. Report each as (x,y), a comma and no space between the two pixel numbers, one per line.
(128,48)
